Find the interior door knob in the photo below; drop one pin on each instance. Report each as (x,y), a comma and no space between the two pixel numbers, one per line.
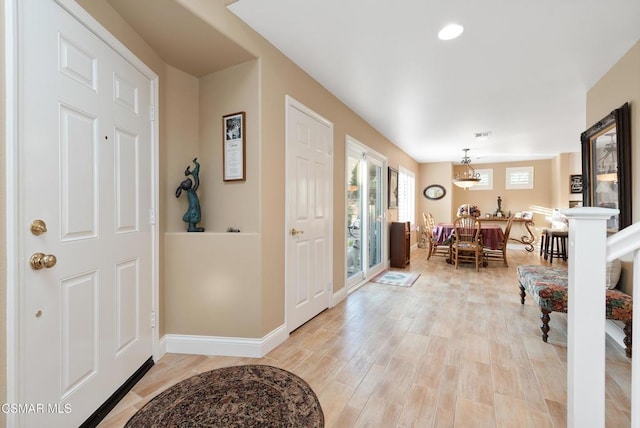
(41,260)
(295,232)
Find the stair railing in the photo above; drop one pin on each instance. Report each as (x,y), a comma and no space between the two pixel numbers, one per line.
(589,251)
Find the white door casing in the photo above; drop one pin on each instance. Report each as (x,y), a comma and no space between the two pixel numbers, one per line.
(309,207)
(86,154)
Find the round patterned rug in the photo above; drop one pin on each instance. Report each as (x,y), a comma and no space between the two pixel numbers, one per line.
(238,396)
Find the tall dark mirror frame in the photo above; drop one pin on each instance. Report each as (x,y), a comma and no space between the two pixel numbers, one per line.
(606,166)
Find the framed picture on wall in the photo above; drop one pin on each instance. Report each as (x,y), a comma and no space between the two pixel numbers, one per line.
(576,184)
(392,188)
(233,149)
(606,166)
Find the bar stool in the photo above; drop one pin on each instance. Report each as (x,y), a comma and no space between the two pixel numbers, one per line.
(544,242)
(556,245)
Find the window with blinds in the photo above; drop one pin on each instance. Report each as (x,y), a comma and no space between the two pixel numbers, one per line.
(486,180)
(406,195)
(519,178)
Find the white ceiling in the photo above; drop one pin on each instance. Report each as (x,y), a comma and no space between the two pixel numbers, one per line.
(521,69)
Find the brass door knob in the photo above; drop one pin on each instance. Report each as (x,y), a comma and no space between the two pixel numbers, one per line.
(41,260)
(295,232)
(38,227)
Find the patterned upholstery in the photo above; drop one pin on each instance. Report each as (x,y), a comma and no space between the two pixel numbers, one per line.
(547,285)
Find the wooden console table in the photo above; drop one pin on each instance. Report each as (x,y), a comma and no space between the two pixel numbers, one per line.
(524,239)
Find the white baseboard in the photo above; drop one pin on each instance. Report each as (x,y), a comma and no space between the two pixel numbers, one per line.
(223,346)
(615,332)
(339,296)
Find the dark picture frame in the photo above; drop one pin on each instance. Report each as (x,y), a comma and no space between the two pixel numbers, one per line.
(576,183)
(434,192)
(606,166)
(392,189)
(234,160)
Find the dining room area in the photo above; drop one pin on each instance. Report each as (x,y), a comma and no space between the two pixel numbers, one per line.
(473,238)
(512,202)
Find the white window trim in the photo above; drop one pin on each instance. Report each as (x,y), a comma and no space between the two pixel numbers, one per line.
(488,173)
(519,170)
(411,209)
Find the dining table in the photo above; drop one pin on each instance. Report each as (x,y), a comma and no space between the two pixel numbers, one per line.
(492,234)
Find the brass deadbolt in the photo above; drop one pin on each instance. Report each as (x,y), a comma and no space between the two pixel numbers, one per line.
(38,227)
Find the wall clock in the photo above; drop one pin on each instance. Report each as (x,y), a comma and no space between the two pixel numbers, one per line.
(434,192)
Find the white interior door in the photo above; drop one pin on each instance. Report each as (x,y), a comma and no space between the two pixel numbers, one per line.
(85,154)
(309,210)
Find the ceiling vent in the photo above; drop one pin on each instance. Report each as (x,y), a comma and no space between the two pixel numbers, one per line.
(482,136)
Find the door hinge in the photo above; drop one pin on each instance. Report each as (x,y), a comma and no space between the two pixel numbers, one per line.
(152,113)
(153,320)
(152,217)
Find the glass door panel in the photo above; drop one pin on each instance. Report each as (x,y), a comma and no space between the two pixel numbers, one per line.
(374,206)
(365,234)
(354,214)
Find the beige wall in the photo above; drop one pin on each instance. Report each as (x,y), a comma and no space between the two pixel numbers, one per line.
(181,121)
(435,173)
(619,85)
(206,279)
(559,195)
(233,203)
(538,200)
(212,284)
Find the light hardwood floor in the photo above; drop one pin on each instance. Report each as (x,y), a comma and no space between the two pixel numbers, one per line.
(457,349)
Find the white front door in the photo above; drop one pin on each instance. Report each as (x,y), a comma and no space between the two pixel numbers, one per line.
(85,170)
(309,210)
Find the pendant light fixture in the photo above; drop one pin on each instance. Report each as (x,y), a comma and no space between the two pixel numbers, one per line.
(467,177)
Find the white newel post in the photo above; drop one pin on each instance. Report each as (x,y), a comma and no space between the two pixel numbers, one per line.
(586,316)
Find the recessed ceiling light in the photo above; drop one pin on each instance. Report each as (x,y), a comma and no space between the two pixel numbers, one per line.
(451,31)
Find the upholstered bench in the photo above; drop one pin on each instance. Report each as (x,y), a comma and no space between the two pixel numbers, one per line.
(548,287)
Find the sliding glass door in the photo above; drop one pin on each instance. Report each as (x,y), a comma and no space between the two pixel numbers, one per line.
(365,212)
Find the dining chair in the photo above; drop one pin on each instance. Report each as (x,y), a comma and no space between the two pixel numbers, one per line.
(466,245)
(424,235)
(435,249)
(501,252)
